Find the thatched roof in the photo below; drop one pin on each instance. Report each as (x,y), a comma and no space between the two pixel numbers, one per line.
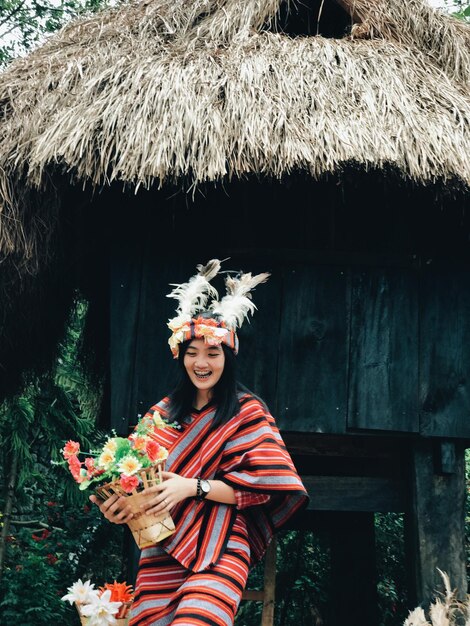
(164,90)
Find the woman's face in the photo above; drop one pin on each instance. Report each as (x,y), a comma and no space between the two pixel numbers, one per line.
(204,364)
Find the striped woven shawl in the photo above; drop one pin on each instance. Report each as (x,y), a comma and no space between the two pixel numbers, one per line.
(248,454)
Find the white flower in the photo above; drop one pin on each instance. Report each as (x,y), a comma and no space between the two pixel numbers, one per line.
(129,465)
(83,593)
(100,610)
(220,332)
(177,322)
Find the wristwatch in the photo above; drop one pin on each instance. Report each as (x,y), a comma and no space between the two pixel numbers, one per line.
(203,488)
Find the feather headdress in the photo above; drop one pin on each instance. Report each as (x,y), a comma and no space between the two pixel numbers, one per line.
(235,306)
(193,295)
(228,314)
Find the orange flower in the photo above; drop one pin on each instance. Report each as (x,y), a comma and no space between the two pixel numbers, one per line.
(120,592)
(206,321)
(71,448)
(140,443)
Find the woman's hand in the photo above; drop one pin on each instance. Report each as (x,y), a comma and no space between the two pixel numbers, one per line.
(114,509)
(167,494)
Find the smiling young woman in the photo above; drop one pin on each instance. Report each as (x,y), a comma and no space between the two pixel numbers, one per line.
(231,483)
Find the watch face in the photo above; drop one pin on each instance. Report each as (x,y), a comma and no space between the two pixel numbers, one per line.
(205,486)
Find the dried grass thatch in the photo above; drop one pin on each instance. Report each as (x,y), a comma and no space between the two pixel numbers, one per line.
(445,610)
(165,89)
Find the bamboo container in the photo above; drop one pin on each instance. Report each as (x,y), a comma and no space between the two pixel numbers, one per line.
(146,529)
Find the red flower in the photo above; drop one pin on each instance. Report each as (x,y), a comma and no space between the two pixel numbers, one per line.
(51,503)
(152,450)
(86,508)
(129,483)
(44,535)
(71,448)
(51,559)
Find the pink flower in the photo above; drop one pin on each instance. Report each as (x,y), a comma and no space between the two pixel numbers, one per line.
(91,469)
(74,467)
(71,448)
(129,483)
(152,450)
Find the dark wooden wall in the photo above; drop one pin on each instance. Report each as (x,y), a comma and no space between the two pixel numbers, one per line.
(363,326)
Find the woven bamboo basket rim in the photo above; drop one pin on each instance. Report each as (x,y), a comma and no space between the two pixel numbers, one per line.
(150,476)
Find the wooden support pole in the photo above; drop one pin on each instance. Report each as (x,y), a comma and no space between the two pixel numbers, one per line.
(353,571)
(269,585)
(435,519)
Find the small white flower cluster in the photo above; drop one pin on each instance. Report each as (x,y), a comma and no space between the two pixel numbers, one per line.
(97,607)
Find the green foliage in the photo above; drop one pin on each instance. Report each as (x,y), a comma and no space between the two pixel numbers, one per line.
(68,542)
(390,550)
(55,536)
(36,424)
(302,581)
(24,23)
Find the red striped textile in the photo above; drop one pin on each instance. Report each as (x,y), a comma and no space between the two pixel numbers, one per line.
(247,453)
(188,578)
(167,593)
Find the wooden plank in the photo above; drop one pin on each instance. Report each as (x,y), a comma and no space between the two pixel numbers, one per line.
(383,391)
(257,361)
(351,446)
(156,370)
(125,292)
(355,493)
(435,524)
(445,352)
(313,350)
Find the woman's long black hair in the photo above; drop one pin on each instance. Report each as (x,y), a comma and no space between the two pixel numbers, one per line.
(225,391)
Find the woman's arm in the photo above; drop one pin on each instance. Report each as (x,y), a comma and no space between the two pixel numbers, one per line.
(175,488)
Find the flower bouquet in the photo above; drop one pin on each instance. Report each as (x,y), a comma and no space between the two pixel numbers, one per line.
(107,606)
(126,467)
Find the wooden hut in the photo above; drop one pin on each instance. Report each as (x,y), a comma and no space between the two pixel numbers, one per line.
(327,143)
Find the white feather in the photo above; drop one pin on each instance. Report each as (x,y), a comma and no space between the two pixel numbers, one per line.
(193,295)
(237,304)
(416,618)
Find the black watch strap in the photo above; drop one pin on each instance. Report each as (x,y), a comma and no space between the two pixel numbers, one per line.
(198,489)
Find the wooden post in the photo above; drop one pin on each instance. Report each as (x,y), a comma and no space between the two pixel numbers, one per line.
(269,585)
(435,520)
(353,571)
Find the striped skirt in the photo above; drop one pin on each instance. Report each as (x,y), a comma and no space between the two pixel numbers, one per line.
(167,593)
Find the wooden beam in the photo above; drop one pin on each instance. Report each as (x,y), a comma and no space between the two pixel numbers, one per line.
(435,524)
(253,594)
(355,493)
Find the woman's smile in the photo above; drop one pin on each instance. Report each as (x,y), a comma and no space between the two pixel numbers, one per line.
(204,365)
(202,375)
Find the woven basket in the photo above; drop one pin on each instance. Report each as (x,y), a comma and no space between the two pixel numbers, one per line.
(146,529)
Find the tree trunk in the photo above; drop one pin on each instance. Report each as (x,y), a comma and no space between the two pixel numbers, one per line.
(9,500)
